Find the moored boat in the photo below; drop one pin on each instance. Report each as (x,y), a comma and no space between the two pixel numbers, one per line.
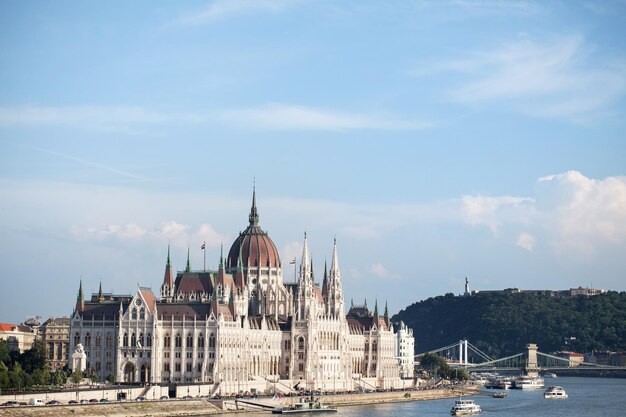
(529,382)
(555,392)
(305,405)
(550,375)
(463,407)
(501,394)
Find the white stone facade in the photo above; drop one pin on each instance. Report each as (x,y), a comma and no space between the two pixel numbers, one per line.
(242,327)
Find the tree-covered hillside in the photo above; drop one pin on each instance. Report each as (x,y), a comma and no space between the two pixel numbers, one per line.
(502,324)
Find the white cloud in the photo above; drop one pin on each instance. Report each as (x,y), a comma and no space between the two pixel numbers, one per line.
(556,78)
(494,211)
(128,232)
(220,9)
(379,270)
(585,211)
(526,241)
(276,116)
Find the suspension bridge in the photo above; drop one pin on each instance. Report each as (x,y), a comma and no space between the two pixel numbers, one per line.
(463,354)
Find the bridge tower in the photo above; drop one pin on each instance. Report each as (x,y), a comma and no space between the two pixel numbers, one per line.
(532,367)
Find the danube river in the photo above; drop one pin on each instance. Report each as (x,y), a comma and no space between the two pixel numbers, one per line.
(588,397)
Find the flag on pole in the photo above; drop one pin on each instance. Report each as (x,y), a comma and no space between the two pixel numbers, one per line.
(293,261)
(203,246)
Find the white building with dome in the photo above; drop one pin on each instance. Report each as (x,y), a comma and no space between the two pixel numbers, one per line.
(242,328)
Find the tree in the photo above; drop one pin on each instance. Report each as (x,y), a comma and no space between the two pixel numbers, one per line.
(77,376)
(5,381)
(4,352)
(111,378)
(35,357)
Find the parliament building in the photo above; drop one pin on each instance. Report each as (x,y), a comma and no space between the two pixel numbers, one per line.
(242,328)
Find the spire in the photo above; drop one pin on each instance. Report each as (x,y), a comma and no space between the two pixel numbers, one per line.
(100,297)
(376,308)
(305,257)
(188,267)
(169,263)
(222,256)
(386,312)
(325,284)
(80,302)
(254,215)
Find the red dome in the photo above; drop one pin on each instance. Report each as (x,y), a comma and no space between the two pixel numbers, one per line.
(253,246)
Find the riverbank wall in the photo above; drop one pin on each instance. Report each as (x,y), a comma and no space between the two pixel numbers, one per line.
(195,407)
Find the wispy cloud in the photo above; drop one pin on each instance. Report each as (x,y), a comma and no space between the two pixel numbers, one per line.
(480,7)
(554,78)
(276,116)
(91,163)
(272,116)
(221,9)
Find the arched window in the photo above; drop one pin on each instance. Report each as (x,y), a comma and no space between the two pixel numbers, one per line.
(178,341)
(189,343)
(98,340)
(133,340)
(141,341)
(133,314)
(211,340)
(200,340)
(301,343)
(76,339)
(125,340)
(167,341)
(109,340)
(142,313)
(88,340)
(149,340)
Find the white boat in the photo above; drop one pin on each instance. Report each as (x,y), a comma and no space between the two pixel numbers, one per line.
(550,375)
(305,405)
(465,408)
(555,392)
(529,382)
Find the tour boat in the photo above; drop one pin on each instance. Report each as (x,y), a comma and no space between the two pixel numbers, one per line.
(306,405)
(550,375)
(465,408)
(501,394)
(529,382)
(555,392)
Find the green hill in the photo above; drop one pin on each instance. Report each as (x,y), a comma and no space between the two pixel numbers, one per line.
(502,324)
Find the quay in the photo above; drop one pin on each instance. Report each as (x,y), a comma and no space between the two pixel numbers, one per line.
(195,407)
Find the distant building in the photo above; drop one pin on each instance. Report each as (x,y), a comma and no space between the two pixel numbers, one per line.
(587,292)
(19,336)
(55,333)
(575,359)
(406,350)
(608,358)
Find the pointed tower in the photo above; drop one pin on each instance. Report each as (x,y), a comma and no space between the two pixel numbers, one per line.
(376,308)
(305,297)
(221,274)
(100,296)
(386,316)
(188,267)
(335,291)
(325,286)
(80,301)
(254,214)
(167,288)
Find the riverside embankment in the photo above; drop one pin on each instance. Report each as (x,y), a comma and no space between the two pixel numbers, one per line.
(197,407)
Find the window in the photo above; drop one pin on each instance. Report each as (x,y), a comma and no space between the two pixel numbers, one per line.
(189,340)
(166,341)
(211,341)
(98,340)
(109,340)
(301,367)
(200,340)
(125,340)
(133,340)
(133,314)
(178,341)
(177,366)
(287,344)
(51,351)
(166,367)
(149,340)
(188,367)
(301,343)
(76,339)
(141,341)
(88,340)
(199,367)
(142,314)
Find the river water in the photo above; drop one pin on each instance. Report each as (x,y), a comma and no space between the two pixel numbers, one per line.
(588,397)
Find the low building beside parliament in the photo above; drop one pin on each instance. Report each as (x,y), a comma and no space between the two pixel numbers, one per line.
(241,328)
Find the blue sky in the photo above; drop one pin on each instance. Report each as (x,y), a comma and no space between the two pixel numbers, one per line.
(434,139)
